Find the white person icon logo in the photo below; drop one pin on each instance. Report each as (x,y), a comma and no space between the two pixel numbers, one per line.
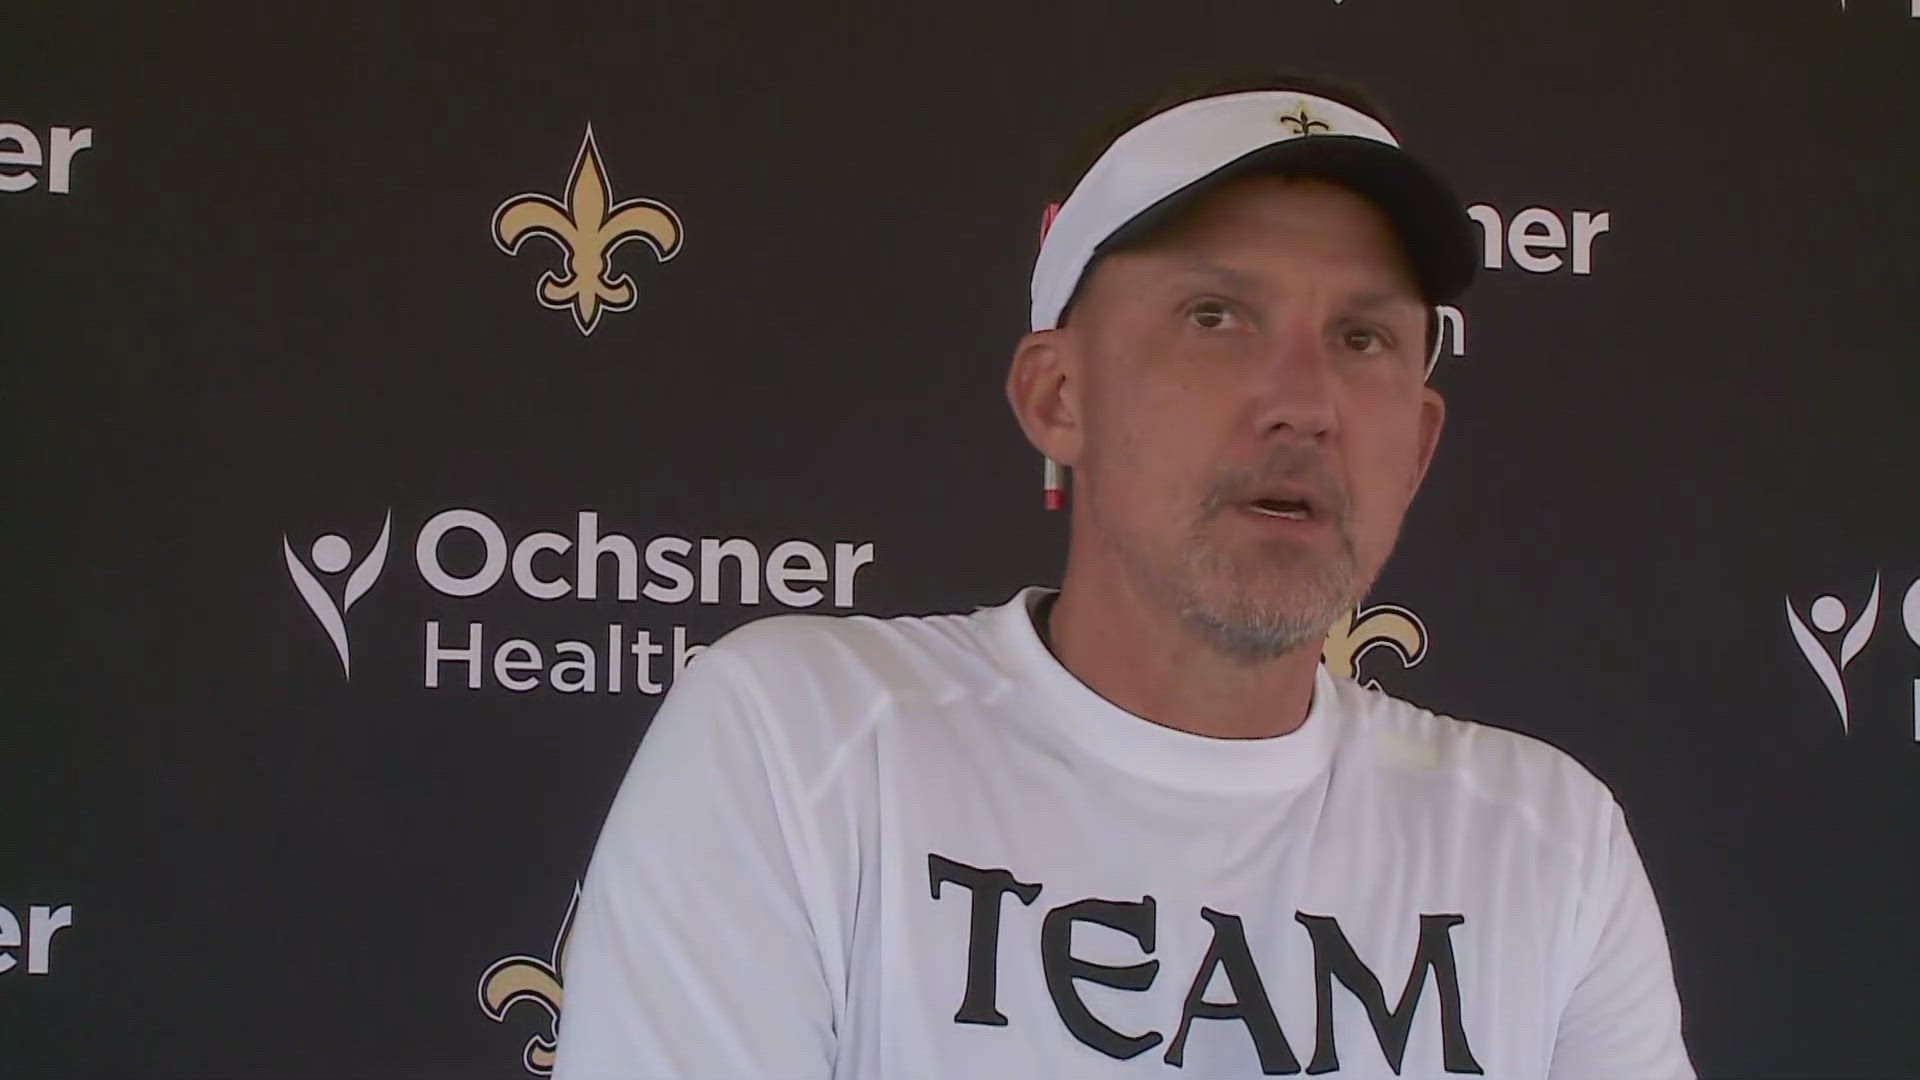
(1829,616)
(331,555)
(1910,617)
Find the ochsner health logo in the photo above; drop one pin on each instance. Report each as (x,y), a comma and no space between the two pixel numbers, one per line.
(1829,616)
(1827,625)
(621,583)
(332,554)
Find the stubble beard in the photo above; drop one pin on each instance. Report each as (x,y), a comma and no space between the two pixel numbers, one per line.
(1254,613)
(1261,601)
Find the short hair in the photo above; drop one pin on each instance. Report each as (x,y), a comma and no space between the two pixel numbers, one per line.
(1143,230)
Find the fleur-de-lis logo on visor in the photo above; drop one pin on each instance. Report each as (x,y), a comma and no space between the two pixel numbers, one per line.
(1302,124)
(588,231)
(1388,625)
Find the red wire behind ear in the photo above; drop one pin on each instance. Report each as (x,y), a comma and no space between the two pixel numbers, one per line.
(1053,483)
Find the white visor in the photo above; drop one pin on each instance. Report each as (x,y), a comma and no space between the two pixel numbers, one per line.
(1176,149)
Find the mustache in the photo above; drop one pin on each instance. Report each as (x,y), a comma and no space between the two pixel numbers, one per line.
(1284,464)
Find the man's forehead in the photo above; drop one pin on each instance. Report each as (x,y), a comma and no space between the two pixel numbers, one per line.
(1361,284)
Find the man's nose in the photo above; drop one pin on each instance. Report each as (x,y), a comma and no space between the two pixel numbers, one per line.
(1295,384)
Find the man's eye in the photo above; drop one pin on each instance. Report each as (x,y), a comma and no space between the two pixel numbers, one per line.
(1212,315)
(1364,339)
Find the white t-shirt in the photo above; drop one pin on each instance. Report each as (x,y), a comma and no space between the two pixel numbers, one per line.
(919,848)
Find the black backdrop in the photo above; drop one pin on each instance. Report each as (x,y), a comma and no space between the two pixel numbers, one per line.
(267,309)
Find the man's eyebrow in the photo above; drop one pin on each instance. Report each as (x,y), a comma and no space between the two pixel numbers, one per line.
(1241,281)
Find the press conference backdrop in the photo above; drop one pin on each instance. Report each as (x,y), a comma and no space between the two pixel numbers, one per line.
(396,399)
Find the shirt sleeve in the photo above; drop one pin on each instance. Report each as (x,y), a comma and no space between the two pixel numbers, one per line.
(692,954)
(1623,1016)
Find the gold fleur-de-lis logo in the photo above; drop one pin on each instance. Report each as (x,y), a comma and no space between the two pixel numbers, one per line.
(1387,625)
(513,980)
(1302,124)
(588,231)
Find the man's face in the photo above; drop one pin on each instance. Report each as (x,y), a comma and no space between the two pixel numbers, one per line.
(1254,417)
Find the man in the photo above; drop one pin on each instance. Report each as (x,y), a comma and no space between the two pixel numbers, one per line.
(1134,828)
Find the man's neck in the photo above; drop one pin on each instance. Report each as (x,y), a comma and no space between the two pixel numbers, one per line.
(1154,666)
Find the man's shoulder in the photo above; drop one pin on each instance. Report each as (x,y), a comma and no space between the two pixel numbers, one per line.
(1498,766)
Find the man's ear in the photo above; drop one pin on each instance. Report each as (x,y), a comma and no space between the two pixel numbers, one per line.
(1433,416)
(1043,386)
